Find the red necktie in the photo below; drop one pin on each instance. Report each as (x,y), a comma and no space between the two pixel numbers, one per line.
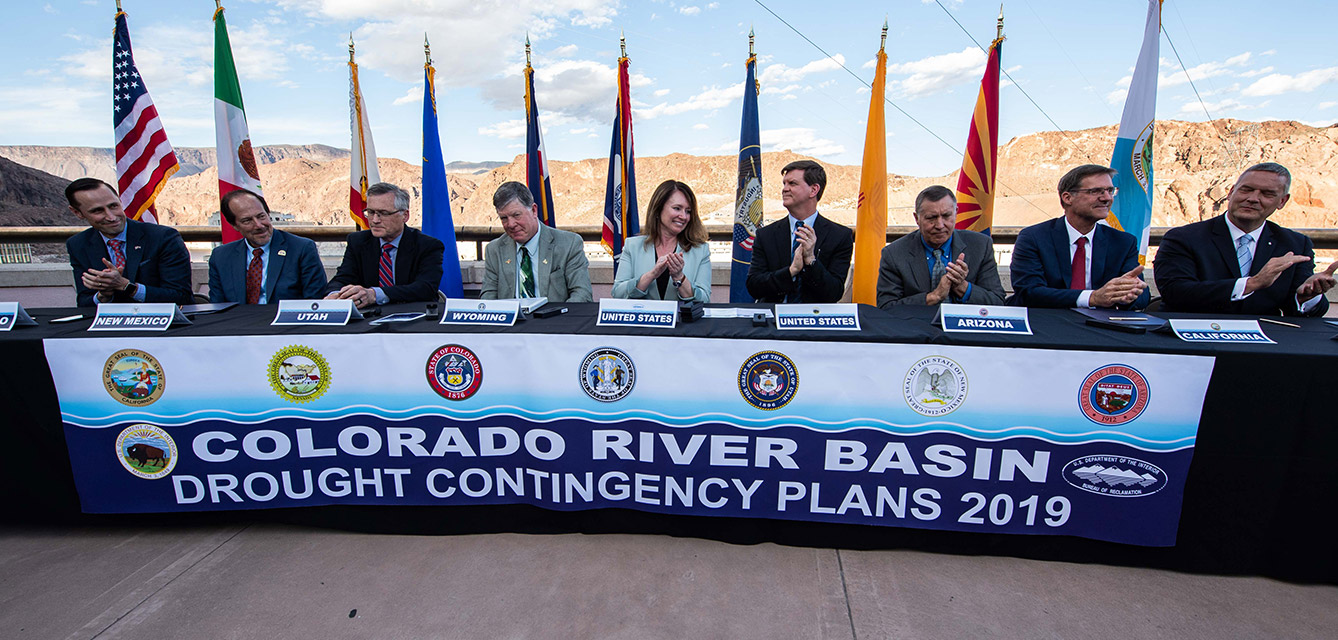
(253,277)
(387,267)
(118,254)
(1080,265)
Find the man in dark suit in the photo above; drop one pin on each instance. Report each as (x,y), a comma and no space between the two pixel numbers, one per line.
(1239,262)
(120,260)
(1071,261)
(919,268)
(389,262)
(803,257)
(266,265)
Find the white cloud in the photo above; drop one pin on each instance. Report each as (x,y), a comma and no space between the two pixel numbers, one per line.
(565,51)
(1279,83)
(701,126)
(1256,72)
(1215,108)
(506,130)
(413,96)
(937,73)
(689,11)
(1326,105)
(580,131)
(1175,76)
(790,88)
(48,8)
(660,93)
(779,73)
(798,139)
(713,5)
(579,89)
(713,98)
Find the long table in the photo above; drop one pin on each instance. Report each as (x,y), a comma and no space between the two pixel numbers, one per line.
(1257,499)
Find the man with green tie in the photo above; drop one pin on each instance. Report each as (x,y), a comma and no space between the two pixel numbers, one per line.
(531,259)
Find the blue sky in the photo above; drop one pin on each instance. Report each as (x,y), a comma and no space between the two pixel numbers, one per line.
(1072,58)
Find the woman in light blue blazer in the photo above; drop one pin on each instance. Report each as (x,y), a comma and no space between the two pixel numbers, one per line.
(671,260)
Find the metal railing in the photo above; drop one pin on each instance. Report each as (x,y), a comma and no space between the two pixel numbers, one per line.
(16,253)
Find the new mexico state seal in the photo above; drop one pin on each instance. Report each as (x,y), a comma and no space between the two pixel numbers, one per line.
(134,378)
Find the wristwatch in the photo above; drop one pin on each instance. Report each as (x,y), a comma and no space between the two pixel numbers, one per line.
(130,288)
(677,283)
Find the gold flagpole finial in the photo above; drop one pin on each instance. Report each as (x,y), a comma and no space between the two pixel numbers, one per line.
(998,32)
(527,48)
(118,6)
(427,50)
(350,47)
(750,41)
(622,42)
(219,4)
(883,42)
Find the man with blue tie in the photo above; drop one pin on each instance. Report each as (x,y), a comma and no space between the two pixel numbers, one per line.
(120,260)
(803,257)
(266,265)
(1073,262)
(938,263)
(1240,262)
(389,262)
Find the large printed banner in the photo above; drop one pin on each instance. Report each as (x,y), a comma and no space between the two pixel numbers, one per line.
(962,438)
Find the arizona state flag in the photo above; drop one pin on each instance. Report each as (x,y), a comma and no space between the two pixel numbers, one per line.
(620,211)
(975,183)
(236,161)
(362,161)
(536,158)
(871,210)
(1132,209)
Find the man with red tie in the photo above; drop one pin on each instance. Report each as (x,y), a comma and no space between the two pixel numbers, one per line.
(1073,262)
(389,262)
(266,265)
(120,260)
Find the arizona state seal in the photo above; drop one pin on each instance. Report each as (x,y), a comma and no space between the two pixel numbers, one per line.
(146,451)
(299,374)
(454,372)
(1113,395)
(134,378)
(768,380)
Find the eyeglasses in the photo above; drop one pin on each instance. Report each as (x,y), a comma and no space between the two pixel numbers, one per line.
(1096,191)
(373,213)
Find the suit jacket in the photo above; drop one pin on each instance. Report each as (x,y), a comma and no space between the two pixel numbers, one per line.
(639,257)
(1197,270)
(155,256)
(823,281)
(295,271)
(417,266)
(903,272)
(560,270)
(1042,269)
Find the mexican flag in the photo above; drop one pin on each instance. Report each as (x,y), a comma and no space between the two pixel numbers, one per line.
(236,162)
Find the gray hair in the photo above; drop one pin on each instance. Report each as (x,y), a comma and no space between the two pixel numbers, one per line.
(512,191)
(934,193)
(1273,167)
(382,188)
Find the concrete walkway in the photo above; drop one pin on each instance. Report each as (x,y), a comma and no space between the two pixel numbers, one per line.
(278,581)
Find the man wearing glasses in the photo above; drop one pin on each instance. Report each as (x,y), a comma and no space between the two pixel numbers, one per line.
(1071,261)
(388,263)
(1239,262)
(267,265)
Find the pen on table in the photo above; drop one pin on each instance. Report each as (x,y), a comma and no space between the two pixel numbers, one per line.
(1285,324)
(1125,319)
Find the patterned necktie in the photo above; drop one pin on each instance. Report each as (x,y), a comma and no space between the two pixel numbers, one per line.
(387,266)
(526,274)
(1079,281)
(936,275)
(796,295)
(1243,254)
(253,271)
(118,254)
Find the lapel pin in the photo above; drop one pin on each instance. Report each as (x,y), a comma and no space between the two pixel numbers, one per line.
(137,247)
(283,252)
(545,260)
(508,261)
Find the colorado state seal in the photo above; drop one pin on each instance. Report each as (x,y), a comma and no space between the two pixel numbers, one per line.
(768,380)
(299,374)
(133,378)
(146,451)
(454,372)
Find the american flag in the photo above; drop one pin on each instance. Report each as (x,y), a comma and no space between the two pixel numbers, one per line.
(144,157)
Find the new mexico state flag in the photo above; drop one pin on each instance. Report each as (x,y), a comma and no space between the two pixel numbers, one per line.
(236,162)
(871,212)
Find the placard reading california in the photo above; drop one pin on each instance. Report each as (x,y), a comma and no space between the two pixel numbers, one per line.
(960,438)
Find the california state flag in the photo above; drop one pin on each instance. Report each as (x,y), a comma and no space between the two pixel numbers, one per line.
(236,162)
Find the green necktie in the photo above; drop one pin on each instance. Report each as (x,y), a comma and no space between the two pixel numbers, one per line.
(526,274)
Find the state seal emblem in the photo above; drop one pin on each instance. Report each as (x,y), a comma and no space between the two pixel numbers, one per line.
(146,451)
(1113,395)
(134,378)
(454,372)
(935,386)
(299,374)
(768,380)
(607,374)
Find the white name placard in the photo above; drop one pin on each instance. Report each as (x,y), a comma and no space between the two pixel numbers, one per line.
(316,312)
(1235,331)
(12,314)
(838,317)
(652,314)
(137,316)
(973,318)
(491,312)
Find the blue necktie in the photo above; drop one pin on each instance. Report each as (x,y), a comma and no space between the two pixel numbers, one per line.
(1244,255)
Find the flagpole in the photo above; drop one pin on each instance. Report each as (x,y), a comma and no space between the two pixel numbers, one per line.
(998,31)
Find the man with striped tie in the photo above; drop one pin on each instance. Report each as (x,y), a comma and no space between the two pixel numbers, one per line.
(1239,262)
(120,260)
(390,262)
